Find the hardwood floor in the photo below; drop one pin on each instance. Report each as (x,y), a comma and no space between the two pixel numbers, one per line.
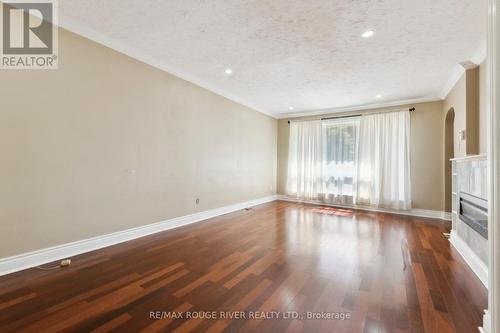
(387,273)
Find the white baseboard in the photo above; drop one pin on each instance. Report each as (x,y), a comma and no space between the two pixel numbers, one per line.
(475,263)
(434,214)
(43,256)
(486,323)
(39,257)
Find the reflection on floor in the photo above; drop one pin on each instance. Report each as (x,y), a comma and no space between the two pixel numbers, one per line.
(333,211)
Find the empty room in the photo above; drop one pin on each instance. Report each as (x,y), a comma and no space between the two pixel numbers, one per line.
(249,166)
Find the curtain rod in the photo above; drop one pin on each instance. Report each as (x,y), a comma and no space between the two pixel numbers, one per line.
(355,115)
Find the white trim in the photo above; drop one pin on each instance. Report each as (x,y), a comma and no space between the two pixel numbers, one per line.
(78,28)
(481,54)
(456,74)
(35,258)
(473,261)
(357,107)
(486,322)
(459,70)
(469,158)
(446,215)
(493,84)
(433,214)
(468,65)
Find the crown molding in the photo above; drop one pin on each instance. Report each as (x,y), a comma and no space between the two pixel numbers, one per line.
(359,107)
(76,27)
(481,54)
(457,73)
(459,70)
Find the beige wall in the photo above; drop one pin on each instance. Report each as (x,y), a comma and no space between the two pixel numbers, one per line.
(483,110)
(427,151)
(468,99)
(107,143)
(472,113)
(456,100)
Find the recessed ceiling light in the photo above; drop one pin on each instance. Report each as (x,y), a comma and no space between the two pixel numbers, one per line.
(367,34)
(228,71)
(378,96)
(291,108)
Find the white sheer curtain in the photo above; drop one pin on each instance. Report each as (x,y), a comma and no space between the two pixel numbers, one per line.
(305,158)
(363,161)
(383,172)
(340,142)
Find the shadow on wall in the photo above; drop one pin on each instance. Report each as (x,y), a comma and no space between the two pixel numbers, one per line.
(449,153)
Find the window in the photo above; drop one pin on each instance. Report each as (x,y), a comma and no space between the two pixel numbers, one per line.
(339,160)
(360,160)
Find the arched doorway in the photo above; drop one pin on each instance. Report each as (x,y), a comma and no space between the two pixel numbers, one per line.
(449,152)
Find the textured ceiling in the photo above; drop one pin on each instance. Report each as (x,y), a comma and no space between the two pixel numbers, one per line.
(305,54)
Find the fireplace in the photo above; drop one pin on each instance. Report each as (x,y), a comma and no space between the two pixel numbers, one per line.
(474,212)
(469,212)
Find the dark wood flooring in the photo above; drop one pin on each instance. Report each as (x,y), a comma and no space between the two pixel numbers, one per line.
(381,272)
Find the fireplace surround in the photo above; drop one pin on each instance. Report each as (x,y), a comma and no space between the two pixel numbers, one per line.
(469,234)
(474,212)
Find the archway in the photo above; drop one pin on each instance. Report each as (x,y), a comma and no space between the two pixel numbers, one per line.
(449,152)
